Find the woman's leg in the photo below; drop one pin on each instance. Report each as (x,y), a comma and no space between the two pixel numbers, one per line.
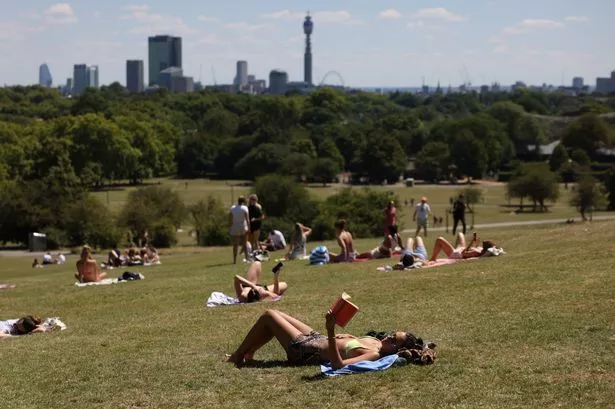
(271,324)
(282,287)
(244,245)
(410,244)
(254,272)
(460,241)
(235,248)
(304,328)
(441,244)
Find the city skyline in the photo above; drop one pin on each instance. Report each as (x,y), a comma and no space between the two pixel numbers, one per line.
(392,44)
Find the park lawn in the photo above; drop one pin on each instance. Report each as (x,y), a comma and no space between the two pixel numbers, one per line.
(531,329)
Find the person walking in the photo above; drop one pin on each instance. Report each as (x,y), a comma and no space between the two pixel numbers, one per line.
(421,216)
(459,214)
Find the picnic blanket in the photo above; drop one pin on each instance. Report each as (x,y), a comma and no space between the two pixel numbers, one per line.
(218,298)
(360,367)
(7,286)
(109,281)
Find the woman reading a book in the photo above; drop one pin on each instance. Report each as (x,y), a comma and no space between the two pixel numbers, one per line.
(248,290)
(305,346)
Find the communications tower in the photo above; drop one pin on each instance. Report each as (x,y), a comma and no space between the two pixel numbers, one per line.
(308,27)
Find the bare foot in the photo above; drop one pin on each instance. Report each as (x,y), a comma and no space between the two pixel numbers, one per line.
(232,358)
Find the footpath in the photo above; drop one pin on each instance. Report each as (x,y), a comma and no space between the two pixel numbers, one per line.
(514,224)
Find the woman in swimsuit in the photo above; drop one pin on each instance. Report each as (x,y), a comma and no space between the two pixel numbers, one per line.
(344,239)
(255,212)
(386,248)
(296,248)
(87,268)
(305,346)
(461,250)
(248,290)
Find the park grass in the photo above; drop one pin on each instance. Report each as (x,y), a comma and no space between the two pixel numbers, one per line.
(531,329)
(494,209)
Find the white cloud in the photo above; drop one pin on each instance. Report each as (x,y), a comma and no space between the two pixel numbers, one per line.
(541,23)
(439,13)
(152,23)
(319,17)
(243,26)
(211,39)
(579,19)
(11,31)
(500,49)
(206,18)
(60,13)
(416,24)
(390,14)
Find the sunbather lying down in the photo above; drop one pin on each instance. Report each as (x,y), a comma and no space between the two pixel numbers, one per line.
(305,346)
(461,250)
(249,290)
(21,326)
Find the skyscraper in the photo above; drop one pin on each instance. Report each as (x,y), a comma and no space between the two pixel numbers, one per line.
(308,27)
(92,74)
(164,52)
(134,76)
(80,78)
(44,76)
(241,79)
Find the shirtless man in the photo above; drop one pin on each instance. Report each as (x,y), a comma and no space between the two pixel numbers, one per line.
(87,268)
(344,239)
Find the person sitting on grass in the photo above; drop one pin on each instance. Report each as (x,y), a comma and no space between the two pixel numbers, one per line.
(22,326)
(461,250)
(88,270)
(275,241)
(296,248)
(304,346)
(344,239)
(248,290)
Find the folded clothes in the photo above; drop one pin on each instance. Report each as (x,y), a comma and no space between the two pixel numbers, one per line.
(218,298)
(360,367)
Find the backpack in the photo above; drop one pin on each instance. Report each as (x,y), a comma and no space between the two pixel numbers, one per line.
(319,256)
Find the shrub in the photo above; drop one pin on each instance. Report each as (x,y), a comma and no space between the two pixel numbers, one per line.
(210,221)
(362,209)
(284,198)
(56,238)
(151,206)
(163,234)
(89,221)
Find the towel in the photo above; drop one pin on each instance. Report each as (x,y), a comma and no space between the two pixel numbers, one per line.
(7,286)
(360,367)
(494,252)
(107,281)
(218,298)
(52,324)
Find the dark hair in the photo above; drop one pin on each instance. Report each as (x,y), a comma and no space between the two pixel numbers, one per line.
(393,229)
(412,342)
(26,325)
(253,296)
(487,244)
(241,200)
(340,224)
(407,260)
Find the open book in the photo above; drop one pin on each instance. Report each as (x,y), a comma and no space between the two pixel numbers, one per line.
(343,310)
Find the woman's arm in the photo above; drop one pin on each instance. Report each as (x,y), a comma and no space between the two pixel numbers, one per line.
(230,219)
(306,231)
(276,283)
(334,353)
(262,212)
(238,281)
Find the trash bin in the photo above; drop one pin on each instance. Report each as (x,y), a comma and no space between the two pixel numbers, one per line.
(410,182)
(37,242)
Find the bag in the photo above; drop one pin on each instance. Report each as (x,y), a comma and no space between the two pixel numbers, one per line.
(129,276)
(319,256)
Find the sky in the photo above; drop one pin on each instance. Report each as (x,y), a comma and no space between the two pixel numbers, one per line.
(368,43)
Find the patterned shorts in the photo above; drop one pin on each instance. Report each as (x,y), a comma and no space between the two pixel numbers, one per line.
(305,349)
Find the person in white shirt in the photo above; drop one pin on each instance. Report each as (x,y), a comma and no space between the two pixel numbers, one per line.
(421,216)
(276,241)
(238,223)
(47,259)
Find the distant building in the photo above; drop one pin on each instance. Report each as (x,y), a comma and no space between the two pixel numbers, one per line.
(165,77)
(92,76)
(163,52)
(135,80)
(182,84)
(256,86)
(44,76)
(577,83)
(80,78)
(299,86)
(308,29)
(220,88)
(606,85)
(278,80)
(69,85)
(241,78)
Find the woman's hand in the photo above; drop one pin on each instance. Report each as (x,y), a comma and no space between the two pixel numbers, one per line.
(330,321)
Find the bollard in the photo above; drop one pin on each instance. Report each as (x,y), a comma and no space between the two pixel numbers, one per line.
(447,212)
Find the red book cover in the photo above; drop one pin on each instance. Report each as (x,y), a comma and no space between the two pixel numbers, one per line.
(343,310)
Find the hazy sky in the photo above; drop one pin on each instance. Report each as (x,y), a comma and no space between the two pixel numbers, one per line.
(370,43)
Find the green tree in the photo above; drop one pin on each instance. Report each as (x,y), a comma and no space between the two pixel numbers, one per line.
(558,158)
(382,157)
(283,198)
(536,182)
(468,155)
(589,132)
(588,195)
(432,162)
(324,170)
(196,155)
(580,157)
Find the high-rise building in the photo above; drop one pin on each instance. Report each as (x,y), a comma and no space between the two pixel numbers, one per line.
(606,85)
(577,83)
(134,76)
(278,80)
(92,73)
(164,52)
(165,77)
(44,76)
(80,78)
(308,27)
(241,78)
